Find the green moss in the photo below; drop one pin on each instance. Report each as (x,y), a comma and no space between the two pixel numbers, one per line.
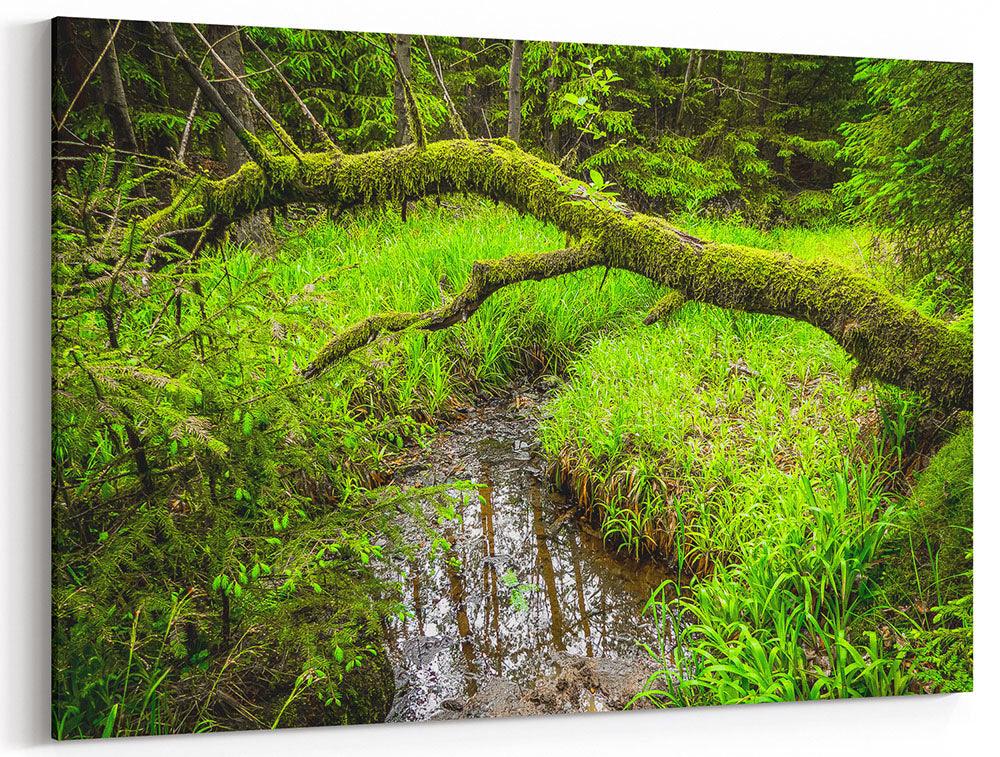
(893,342)
(665,307)
(357,336)
(486,278)
(942,512)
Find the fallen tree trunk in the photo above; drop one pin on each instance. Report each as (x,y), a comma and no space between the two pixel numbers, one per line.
(891,341)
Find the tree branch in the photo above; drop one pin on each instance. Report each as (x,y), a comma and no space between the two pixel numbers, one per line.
(665,307)
(486,278)
(454,118)
(72,103)
(324,138)
(253,146)
(279,132)
(412,111)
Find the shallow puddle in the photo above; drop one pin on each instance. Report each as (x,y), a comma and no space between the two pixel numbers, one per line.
(525,583)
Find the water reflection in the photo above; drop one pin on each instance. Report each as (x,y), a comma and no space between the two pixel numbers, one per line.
(524,577)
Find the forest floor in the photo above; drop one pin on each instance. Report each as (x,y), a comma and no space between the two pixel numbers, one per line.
(548,507)
(735,446)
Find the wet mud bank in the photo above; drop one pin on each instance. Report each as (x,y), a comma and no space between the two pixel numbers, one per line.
(520,609)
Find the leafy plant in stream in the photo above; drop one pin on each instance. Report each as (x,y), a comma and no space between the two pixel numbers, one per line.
(518,591)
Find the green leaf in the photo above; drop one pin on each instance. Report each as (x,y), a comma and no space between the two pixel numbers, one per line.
(109,722)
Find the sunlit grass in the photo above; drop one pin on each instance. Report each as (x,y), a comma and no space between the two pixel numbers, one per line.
(685,437)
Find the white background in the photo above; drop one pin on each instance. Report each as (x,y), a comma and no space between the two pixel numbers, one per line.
(956,30)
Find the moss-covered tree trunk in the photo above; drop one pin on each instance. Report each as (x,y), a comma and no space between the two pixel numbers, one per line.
(891,341)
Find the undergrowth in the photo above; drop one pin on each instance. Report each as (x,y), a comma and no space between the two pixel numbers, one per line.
(740,447)
(215,532)
(213,542)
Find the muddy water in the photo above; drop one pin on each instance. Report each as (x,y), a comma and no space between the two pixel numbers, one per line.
(526,589)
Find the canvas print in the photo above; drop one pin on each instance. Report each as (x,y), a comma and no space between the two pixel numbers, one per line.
(405,378)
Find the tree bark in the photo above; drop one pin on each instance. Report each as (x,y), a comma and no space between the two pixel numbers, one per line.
(719,72)
(765,90)
(891,341)
(551,136)
(401,49)
(226,42)
(113,90)
(236,124)
(514,91)
(471,114)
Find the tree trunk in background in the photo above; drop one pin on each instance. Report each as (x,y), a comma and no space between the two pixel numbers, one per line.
(514,91)
(549,133)
(741,66)
(719,63)
(113,91)
(687,81)
(471,117)
(226,41)
(765,90)
(402,46)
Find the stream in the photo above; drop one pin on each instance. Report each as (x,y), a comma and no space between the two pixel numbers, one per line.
(528,612)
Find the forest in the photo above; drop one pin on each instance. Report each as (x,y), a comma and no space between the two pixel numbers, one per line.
(402,377)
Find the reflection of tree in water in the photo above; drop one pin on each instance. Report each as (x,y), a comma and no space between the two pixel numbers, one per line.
(457,592)
(547,571)
(465,626)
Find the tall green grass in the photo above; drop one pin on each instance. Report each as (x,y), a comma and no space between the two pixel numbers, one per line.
(376,263)
(693,438)
(686,437)
(798,617)
(738,446)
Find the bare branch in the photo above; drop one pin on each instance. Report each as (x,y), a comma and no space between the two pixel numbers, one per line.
(69,108)
(187,127)
(324,138)
(253,147)
(279,132)
(453,116)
